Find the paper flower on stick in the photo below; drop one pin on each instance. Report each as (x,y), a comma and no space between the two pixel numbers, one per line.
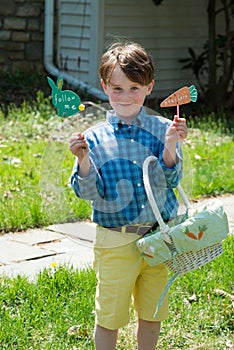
(180,97)
(67,102)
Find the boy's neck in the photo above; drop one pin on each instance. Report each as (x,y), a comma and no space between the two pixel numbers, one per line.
(128,120)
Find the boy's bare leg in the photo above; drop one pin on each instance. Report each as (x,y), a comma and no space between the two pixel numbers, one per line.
(147,334)
(105,339)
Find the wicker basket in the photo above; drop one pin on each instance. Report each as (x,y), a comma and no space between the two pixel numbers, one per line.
(186,262)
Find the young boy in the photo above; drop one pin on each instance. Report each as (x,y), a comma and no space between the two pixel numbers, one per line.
(108,171)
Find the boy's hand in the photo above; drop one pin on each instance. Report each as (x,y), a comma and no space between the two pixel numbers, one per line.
(177,131)
(78,146)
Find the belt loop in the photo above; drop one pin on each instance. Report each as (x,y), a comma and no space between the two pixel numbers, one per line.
(123,229)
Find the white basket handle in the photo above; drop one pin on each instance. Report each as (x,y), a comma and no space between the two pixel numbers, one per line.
(150,195)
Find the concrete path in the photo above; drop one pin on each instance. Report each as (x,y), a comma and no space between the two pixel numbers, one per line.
(70,244)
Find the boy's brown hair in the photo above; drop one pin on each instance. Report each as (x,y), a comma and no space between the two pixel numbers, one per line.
(132,58)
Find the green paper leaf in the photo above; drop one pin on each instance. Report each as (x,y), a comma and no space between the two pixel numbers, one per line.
(193,93)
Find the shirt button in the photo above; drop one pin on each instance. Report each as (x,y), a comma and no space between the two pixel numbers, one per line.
(142,206)
(132,140)
(139,184)
(134,162)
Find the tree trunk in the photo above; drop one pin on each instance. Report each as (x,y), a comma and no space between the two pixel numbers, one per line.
(218,90)
(212,79)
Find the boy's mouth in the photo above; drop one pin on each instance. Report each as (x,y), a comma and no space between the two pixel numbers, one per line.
(127,104)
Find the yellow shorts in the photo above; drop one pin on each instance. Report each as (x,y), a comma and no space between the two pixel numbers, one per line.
(121,274)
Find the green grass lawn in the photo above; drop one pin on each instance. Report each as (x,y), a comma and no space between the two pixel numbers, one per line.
(38,315)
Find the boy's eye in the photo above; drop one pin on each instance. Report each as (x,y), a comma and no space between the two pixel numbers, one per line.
(117,89)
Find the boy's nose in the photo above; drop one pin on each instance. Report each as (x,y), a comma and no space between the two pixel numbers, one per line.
(126,96)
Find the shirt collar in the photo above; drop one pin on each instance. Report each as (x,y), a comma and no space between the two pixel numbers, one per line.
(116,121)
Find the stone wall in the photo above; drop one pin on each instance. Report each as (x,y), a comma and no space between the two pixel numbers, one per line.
(21,35)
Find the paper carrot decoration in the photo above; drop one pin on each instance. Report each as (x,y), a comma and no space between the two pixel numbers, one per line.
(180,97)
(67,102)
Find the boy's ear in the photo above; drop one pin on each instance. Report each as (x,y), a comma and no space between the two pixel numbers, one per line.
(150,87)
(104,86)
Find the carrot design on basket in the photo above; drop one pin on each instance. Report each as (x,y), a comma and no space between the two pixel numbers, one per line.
(201,231)
(190,234)
(149,256)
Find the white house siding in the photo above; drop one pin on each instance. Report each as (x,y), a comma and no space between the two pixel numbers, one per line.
(77,44)
(166,31)
(87,27)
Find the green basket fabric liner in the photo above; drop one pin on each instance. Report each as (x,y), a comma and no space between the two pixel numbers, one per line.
(156,248)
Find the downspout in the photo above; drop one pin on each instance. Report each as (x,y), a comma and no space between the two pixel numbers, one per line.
(48,55)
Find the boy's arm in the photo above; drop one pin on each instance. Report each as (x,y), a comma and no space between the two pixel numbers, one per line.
(90,187)
(84,166)
(79,147)
(85,179)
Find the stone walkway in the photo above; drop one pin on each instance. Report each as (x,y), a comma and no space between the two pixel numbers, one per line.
(29,252)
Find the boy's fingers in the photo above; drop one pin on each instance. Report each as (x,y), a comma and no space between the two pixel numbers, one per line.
(182,132)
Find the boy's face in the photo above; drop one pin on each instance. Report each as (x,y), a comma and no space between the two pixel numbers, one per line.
(125,96)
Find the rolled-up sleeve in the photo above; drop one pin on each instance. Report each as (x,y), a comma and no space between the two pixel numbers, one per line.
(172,175)
(89,187)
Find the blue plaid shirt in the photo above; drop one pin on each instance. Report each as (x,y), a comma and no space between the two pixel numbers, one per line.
(115,182)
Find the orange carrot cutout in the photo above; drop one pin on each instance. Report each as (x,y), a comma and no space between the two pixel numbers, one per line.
(180,97)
